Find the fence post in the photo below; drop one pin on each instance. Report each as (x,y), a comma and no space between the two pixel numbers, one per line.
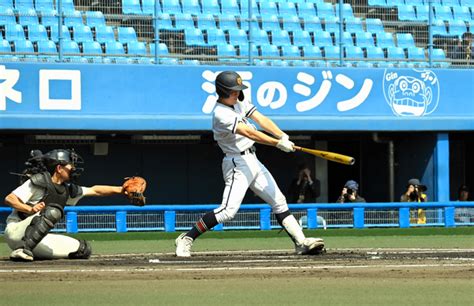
(312,218)
(359,217)
(71,222)
(404,217)
(121,221)
(265,223)
(449,217)
(170,221)
(218,227)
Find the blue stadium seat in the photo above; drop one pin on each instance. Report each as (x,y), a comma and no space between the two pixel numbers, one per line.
(375,54)
(439,28)
(292,52)
(5,47)
(312,24)
(374,25)
(260,37)
(23,5)
(230,7)
(395,3)
(416,53)
(422,12)
(406,13)
(44,5)
(206,22)
(6,4)
(82,33)
(64,32)
(281,38)
(114,48)
(268,8)
(92,50)
(306,10)
(353,25)
(322,39)
(7,17)
(396,53)
(312,51)
(292,24)
(49,18)
(405,40)
(416,2)
(164,22)
(210,7)
(451,3)
(364,39)
(244,50)
(194,37)
(73,19)
(37,32)
(457,27)
(216,37)
(347,11)
(270,51)
(331,54)
(28,17)
(137,48)
(227,22)
(254,23)
(244,8)
(354,53)
(104,34)
(462,13)
(131,7)
(438,58)
(148,7)
(47,46)
(237,37)
(171,7)
(70,47)
(302,38)
(162,49)
(68,6)
(287,9)
(346,39)
(191,7)
(377,3)
(126,34)
(228,51)
(14,32)
(270,23)
(443,12)
(95,19)
(23,46)
(184,21)
(385,40)
(467,3)
(325,10)
(331,24)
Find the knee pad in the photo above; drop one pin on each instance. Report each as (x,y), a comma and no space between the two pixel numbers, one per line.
(83,252)
(41,225)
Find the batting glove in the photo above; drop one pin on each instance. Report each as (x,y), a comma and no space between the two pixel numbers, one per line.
(285,136)
(285,145)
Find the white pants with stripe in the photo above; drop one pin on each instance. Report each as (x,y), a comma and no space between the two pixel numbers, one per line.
(240,173)
(52,246)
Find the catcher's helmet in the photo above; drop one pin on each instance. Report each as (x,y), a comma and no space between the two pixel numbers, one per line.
(228,81)
(63,157)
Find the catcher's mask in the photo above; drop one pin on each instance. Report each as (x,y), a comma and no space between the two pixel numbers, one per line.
(228,81)
(64,157)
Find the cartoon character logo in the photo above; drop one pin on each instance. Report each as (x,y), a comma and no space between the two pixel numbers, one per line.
(411,93)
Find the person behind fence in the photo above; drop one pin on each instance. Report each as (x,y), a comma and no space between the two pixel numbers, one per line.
(464,50)
(415,193)
(49,183)
(464,214)
(241,169)
(350,193)
(304,188)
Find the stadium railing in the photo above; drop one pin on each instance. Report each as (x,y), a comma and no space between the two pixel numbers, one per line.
(170,218)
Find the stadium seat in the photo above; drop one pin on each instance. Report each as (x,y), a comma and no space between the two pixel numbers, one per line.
(325,10)
(238,37)
(415,53)
(291,53)
(49,18)
(332,54)
(422,12)
(230,7)
(68,6)
(137,48)
(268,8)
(385,40)
(375,54)
(322,39)
(73,19)
(405,40)
(462,13)
(457,28)
(104,34)
(406,13)
(25,46)
(194,37)
(164,22)
(259,37)
(347,11)
(92,50)
(331,24)
(416,2)
(254,24)
(287,9)
(14,32)
(37,32)
(377,3)
(226,51)
(396,53)
(443,12)
(354,53)
(95,19)
(28,17)
(364,39)
(70,47)
(126,34)
(438,57)
(353,25)
(47,46)
(346,39)
(439,28)
(66,35)
(227,22)
(270,23)
(206,22)
(82,33)
(191,7)
(451,3)
(23,5)
(244,8)
(292,24)
(7,17)
(210,7)
(244,50)
(306,10)
(312,24)
(44,5)
(281,38)
(312,52)
(184,21)
(302,38)
(374,25)
(114,50)
(270,51)
(162,49)
(216,37)
(6,4)
(394,3)
(5,46)
(148,7)
(171,7)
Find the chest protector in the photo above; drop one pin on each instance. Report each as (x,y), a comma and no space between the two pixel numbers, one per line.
(54,193)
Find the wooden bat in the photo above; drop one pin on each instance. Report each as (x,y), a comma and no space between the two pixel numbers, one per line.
(335,157)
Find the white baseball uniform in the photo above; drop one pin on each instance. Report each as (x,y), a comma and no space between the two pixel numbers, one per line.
(52,246)
(240,167)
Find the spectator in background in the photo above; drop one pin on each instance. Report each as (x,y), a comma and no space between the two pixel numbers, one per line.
(350,193)
(415,193)
(464,50)
(304,188)
(466,214)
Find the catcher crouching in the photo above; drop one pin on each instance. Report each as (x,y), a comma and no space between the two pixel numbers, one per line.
(49,183)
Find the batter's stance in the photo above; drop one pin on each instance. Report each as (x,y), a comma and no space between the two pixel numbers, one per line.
(241,168)
(38,204)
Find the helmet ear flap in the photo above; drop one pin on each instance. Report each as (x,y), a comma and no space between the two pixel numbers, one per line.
(241,95)
(221,92)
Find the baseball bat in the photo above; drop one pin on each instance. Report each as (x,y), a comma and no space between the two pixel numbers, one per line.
(335,157)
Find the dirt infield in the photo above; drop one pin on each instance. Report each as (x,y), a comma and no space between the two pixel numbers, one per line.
(370,263)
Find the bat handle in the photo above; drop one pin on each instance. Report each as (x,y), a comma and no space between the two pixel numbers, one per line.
(297,148)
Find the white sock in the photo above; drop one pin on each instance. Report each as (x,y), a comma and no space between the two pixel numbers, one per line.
(294,229)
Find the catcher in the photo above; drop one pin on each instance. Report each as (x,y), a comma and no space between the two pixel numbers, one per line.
(49,184)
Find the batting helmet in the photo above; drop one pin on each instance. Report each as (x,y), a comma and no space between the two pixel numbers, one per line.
(228,81)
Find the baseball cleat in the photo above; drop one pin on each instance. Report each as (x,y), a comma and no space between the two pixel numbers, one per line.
(21,255)
(310,246)
(183,245)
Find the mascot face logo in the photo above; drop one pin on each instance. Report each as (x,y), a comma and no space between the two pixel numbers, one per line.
(415,93)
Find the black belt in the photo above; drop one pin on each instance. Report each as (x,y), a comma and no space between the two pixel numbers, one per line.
(250,150)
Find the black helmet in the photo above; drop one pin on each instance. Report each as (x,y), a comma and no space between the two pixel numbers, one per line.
(227,81)
(63,157)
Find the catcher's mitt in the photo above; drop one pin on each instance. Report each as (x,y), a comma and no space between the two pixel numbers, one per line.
(133,188)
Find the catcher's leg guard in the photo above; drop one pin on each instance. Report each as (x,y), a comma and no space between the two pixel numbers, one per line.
(83,252)
(41,225)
